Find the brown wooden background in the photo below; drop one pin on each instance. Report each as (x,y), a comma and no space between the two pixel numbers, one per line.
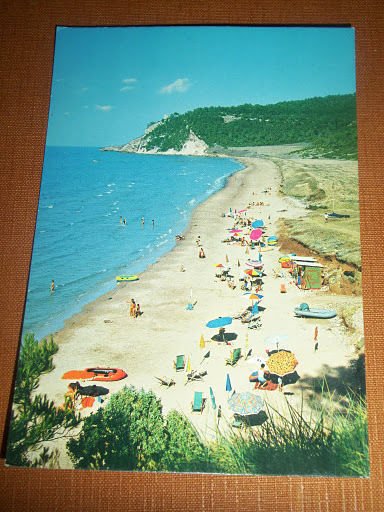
(26,46)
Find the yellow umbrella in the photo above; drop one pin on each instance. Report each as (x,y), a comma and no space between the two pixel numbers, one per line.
(188,368)
(202,342)
(226,258)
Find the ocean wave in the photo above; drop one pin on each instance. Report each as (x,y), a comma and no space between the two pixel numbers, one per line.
(192,201)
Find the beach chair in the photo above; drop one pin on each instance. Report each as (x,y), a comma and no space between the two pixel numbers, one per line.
(195,375)
(234,357)
(198,402)
(237,423)
(165,381)
(179,364)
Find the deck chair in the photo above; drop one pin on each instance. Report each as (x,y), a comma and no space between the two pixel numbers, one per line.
(179,364)
(198,402)
(237,423)
(165,381)
(234,356)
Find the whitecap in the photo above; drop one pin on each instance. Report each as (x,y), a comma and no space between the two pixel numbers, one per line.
(99,195)
(192,201)
(50,206)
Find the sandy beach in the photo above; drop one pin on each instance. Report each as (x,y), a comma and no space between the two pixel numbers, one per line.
(104,334)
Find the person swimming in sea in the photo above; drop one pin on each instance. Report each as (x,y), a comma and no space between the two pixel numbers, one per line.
(52,286)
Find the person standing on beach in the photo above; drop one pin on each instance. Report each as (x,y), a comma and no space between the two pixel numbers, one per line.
(52,286)
(132,308)
(138,311)
(218,415)
(315,338)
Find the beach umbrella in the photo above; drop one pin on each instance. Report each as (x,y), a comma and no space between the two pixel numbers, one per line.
(221,321)
(245,403)
(206,356)
(228,385)
(252,272)
(220,265)
(212,398)
(256,234)
(202,342)
(226,258)
(258,223)
(282,363)
(188,367)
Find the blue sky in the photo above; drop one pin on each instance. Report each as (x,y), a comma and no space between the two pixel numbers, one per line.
(109,83)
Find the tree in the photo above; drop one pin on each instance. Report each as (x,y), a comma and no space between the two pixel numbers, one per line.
(185,450)
(129,433)
(35,420)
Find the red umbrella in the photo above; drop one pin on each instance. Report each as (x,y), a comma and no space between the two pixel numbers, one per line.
(256,234)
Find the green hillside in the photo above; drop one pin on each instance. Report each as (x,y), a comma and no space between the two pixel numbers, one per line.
(327,125)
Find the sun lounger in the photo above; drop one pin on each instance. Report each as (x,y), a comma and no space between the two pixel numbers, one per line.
(195,375)
(179,364)
(198,402)
(234,357)
(165,381)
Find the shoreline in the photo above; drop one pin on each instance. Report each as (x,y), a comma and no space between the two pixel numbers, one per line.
(146,347)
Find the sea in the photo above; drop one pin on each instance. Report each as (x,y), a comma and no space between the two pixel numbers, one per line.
(81,240)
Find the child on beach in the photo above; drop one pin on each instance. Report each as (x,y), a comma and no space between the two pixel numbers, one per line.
(201,253)
(138,311)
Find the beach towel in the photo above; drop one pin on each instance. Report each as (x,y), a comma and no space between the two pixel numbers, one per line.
(270,386)
(88,401)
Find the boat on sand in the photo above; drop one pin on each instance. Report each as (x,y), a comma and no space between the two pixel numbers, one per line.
(305,311)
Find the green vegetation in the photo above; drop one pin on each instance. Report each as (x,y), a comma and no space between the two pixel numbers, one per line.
(131,433)
(331,442)
(35,420)
(324,187)
(327,125)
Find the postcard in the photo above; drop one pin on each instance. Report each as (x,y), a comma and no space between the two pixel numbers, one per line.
(195,296)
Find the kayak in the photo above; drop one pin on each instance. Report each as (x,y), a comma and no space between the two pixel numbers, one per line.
(305,311)
(126,278)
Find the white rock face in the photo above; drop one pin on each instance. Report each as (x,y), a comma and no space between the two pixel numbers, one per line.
(193,146)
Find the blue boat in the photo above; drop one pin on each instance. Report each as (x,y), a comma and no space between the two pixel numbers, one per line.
(305,311)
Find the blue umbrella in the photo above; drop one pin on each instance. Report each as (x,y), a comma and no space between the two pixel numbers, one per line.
(228,385)
(219,322)
(212,398)
(258,223)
